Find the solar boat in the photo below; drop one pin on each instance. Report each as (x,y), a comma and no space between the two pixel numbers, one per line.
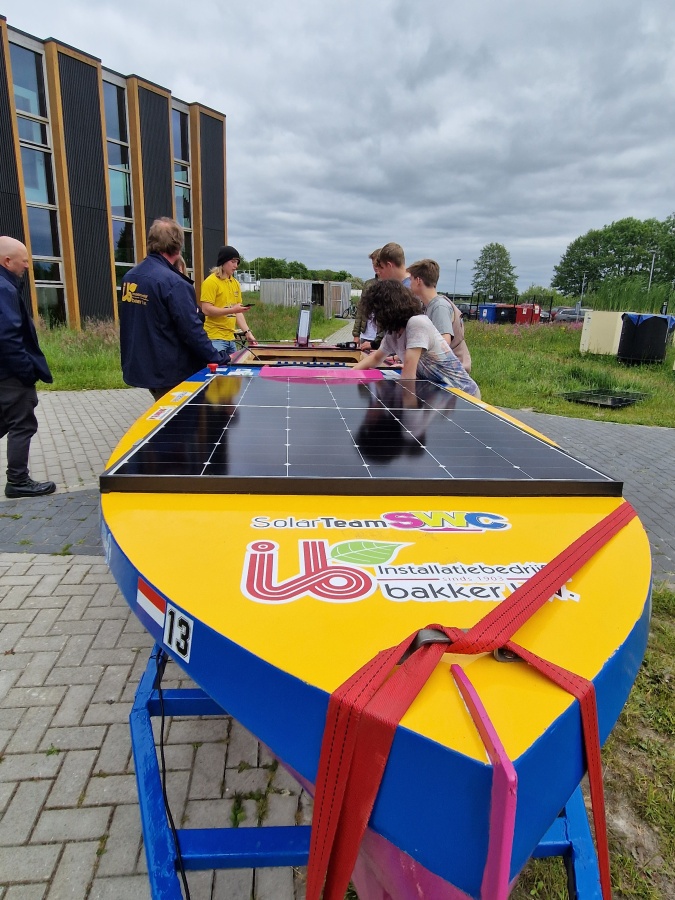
(278,528)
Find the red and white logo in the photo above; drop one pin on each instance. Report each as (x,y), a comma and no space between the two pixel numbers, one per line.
(318,578)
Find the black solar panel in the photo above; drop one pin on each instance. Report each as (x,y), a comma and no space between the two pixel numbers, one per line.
(259,435)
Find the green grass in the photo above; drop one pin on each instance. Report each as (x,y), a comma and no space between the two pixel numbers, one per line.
(82,360)
(529,367)
(90,359)
(518,367)
(279,323)
(632,293)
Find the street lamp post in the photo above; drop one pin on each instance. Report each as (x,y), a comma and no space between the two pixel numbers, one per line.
(581,298)
(457,262)
(651,271)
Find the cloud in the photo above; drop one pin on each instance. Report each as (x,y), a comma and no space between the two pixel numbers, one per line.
(440,126)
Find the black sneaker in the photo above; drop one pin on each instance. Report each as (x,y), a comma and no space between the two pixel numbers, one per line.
(29,488)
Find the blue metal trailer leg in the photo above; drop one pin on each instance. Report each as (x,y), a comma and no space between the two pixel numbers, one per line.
(230,848)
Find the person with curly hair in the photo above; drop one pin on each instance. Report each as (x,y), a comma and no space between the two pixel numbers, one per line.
(412,337)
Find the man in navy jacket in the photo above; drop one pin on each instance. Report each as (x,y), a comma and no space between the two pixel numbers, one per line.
(22,363)
(162,339)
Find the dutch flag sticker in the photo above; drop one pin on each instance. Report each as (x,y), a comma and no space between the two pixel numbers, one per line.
(151,603)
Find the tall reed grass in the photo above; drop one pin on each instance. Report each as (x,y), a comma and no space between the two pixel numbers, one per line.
(631,295)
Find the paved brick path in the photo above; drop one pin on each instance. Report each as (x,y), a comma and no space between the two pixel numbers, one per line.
(71,655)
(643,458)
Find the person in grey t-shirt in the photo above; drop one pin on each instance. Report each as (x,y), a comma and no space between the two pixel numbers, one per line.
(443,313)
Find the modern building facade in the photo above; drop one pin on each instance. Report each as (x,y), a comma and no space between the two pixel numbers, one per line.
(88,159)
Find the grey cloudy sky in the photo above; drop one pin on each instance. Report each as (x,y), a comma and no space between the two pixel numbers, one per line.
(440,125)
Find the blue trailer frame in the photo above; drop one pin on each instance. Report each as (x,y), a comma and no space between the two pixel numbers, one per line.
(280,845)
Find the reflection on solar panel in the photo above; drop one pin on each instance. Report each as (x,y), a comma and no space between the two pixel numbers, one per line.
(253,435)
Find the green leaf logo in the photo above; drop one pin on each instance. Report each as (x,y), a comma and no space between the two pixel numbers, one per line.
(365,553)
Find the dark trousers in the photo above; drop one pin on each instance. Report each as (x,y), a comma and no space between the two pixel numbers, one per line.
(158,393)
(18,422)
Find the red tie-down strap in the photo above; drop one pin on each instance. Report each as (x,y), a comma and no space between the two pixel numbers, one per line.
(364,712)
(584,691)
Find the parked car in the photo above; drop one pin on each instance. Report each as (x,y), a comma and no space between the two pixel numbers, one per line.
(556,309)
(467,310)
(570,314)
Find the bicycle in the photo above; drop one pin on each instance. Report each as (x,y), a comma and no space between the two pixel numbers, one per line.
(349,313)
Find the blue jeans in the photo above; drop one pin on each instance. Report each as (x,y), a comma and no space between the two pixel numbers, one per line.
(229,346)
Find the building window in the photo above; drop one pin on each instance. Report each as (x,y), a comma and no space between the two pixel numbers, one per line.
(182,181)
(30,99)
(119,177)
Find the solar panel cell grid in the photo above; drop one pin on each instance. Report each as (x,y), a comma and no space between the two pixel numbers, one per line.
(314,436)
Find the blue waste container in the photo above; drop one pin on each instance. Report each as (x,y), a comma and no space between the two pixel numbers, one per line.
(487,312)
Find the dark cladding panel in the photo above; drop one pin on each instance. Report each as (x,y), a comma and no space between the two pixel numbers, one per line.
(92,261)
(212,137)
(83,136)
(156,153)
(83,132)
(11,222)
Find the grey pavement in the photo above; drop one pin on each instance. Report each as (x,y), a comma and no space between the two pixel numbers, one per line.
(71,655)
(76,434)
(640,456)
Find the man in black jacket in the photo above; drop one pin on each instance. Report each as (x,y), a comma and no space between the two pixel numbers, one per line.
(22,363)
(162,340)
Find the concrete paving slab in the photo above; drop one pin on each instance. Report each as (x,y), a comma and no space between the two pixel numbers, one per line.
(71,826)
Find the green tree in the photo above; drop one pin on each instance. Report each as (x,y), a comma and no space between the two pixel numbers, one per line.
(494,275)
(330,275)
(298,270)
(624,249)
(269,267)
(538,294)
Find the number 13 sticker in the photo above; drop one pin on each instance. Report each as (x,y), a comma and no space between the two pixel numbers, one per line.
(178,632)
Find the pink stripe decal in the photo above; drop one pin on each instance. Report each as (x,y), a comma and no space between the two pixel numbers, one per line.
(504,794)
(310,375)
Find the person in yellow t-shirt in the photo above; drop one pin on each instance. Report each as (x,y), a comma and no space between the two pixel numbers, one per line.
(220,301)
